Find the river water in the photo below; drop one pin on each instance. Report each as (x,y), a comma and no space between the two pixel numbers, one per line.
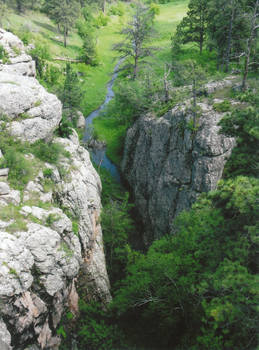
(99,154)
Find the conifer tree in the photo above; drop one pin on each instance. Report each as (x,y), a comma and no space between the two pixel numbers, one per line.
(64,13)
(193,27)
(137,35)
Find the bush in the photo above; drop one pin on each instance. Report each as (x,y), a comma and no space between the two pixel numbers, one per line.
(65,127)
(95,329)
(20,169)
(101,20)
(3,55)
(224,106)
(117,9)
(48,152)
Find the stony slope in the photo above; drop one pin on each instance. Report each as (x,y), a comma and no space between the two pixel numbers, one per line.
(167,164)
(40,259)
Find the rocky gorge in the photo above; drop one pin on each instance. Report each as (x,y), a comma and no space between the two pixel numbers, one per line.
(60,234)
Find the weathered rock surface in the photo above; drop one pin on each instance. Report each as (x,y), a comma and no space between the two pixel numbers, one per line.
(81,195)
(18,62)
(167,165)
(39,265)
(31,112)
(41,252)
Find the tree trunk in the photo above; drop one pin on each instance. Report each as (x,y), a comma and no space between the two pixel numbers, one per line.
(65,38)
(229,37)
(194,95)
(135,68)
(103,6)
(249,45)
(201,43)
(19,5)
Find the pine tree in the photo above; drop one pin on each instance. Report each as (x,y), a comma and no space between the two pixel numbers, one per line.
(227,29)
(137,34)
(71,95)
(193,27)
(64,13)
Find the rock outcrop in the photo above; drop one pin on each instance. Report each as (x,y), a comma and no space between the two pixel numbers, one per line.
(31,113)
(168,164)
(50,231)
(17,61)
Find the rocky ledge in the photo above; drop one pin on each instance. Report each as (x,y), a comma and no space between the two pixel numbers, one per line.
(49,231)
(29,111)
(168,164)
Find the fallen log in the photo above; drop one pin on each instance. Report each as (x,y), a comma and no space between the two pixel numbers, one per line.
(67,59)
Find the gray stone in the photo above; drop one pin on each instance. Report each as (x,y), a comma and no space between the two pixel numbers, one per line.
(21,95)
(13,197)
(4,188)
(5,337)
(80,120)
(167,166)
(40,265)
(81,195)
(4,172)
(19,62)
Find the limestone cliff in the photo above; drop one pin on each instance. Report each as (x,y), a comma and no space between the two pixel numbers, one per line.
(168,164)
(51,229)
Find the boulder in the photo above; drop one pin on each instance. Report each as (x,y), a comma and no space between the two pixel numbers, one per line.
(80,120)
(4,188)
(34,114)
(18,61)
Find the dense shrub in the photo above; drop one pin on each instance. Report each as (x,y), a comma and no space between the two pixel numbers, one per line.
(196,289)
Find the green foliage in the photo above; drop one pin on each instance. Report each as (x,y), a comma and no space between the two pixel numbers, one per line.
(117,9)
(193,27)
(244,125)
(139,31)
(65,127)
(64,13)
(224,106)
(85,28)
(95,329)
(49,152)
(196,289)
(20,170)
(71,94)
(117,225)
(51,219)
(101,20)
(3,55)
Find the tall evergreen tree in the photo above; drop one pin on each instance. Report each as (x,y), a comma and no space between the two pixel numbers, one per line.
(227,29)
(252,40)
(64,13)
(137,35)
(71,95)
(193,27)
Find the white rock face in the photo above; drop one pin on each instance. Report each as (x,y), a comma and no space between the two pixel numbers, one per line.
(80,193)
(40,260)
(39,265)
(19,62)
(33,113)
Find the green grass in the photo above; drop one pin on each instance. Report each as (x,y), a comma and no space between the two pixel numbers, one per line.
(107,129)
(113,134)
(165,25)
(97,77)
(37,27)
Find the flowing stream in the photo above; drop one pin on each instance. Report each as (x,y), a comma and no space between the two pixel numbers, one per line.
(99,154)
